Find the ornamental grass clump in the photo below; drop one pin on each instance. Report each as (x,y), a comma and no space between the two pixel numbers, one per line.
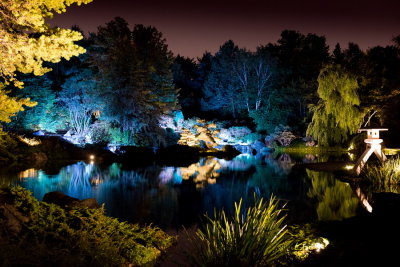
(253,237)
(384,174)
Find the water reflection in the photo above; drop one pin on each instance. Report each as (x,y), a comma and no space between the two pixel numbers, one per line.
(335,199)
(173,196)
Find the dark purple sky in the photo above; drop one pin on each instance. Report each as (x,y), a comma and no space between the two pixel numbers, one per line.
(192,27)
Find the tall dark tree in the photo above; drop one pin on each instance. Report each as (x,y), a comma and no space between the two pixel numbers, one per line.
(337,55)
(186,78)
(136,80)
(221,93)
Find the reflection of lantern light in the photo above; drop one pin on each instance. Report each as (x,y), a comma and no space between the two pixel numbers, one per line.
(91,162)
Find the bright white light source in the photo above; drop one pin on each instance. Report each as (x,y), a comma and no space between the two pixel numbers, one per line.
(91,157)
(349,167)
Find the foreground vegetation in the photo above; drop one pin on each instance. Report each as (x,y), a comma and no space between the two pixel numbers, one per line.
(42,234)
(257,236)
(383,176)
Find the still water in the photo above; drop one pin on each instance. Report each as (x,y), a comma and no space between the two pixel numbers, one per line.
(170,197)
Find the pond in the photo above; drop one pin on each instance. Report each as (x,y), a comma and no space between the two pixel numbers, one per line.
(170,197)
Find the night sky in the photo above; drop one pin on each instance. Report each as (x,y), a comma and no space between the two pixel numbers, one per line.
(193,27)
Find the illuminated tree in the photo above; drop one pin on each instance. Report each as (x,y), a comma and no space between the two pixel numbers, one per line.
(26,42)
(337,114)
(135,77)
(80,98)
(45,115)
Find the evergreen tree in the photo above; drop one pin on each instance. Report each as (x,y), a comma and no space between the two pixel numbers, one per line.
(135,77)
(221,93)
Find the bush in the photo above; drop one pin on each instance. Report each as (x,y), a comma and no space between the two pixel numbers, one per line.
(99,134)
(53,236)
(120,137)
(237,134)
(255,237)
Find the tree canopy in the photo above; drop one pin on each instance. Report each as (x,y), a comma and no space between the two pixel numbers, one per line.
(337,114)
(27,41)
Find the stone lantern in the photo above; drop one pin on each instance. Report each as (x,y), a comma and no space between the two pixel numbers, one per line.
(373,145)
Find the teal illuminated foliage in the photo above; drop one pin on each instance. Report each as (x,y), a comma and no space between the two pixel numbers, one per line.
(53,236)
(46,115)
(337,115)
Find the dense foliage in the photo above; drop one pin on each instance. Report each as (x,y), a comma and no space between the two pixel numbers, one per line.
(51,235)
(337,114)
(128,84)
(27,42)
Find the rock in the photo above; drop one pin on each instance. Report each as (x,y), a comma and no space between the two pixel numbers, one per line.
(258,146)
(230,150)
(90,203)
(243,149)
(38,158)
(13,219)
(59,198)
(39,133)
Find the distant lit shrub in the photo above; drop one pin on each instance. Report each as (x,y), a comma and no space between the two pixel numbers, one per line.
(251,138)
(99,133)
(119,136)
(236,134)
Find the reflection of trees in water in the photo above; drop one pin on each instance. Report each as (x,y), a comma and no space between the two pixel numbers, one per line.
(204,172)
(169,196)
(282,163)
(336,199)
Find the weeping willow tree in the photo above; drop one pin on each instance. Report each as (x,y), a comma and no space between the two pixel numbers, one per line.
(337,115)
(336,200)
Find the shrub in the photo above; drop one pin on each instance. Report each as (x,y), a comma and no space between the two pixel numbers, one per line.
(237,134)
(53,236)
(255,237)
(99,133)
(119,136)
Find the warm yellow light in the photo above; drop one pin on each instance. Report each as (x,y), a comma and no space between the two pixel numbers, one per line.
(91,157)
(349,167)
(29,141)
(351,147)
(28,173)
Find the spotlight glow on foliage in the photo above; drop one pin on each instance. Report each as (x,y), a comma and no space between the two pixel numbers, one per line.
(349,167)
(29,141)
